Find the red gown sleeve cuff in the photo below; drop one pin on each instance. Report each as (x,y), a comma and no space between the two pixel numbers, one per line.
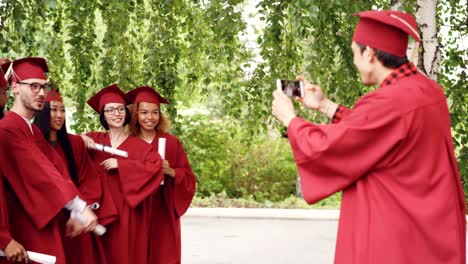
(341,111)
(295,122)
(5,239)
(179,175)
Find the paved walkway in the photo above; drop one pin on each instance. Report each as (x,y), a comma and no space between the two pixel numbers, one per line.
(257,236)
(252,237)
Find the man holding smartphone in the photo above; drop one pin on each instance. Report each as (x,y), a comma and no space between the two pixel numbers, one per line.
(392,154)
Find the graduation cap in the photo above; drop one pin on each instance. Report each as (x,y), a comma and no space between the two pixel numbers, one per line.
(386,31)
(145,94)
(54,95)
(109,94)
(25,68)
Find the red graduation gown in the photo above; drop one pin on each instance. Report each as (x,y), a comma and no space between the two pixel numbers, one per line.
(87,248)
(393,157)
(131,186)
(170,202)
(35,190)
(5,237)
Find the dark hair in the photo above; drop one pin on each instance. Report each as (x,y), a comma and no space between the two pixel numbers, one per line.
(103,121)
(42,120)
(1,112)
(388,60)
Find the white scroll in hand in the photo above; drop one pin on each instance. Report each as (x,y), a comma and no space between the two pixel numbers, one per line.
(99,230)
(162,147)
(162,150)
(37,257)
(112,151)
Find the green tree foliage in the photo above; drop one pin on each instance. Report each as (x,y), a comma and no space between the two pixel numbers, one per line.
(454,76)
(192,53)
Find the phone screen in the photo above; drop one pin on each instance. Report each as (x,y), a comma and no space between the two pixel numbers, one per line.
(291,88)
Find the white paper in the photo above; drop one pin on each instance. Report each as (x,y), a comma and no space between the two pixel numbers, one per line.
(162,150)
(37,257)
(112,151)
(99,230)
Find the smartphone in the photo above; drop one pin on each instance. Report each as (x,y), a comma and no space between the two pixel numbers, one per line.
(291,88)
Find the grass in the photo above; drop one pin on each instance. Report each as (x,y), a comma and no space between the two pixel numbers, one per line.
(292,202)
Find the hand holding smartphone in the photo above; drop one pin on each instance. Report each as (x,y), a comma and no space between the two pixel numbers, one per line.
(291,88)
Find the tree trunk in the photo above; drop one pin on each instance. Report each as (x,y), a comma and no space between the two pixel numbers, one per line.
(298,186)
(429,58)
(395,5)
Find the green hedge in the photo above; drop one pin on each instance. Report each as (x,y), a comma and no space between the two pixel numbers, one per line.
(227,158)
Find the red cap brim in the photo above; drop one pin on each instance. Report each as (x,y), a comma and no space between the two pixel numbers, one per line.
(146,94)
(109,94)
(27,68)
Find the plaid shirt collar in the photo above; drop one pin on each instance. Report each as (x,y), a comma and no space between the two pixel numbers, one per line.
(404,70)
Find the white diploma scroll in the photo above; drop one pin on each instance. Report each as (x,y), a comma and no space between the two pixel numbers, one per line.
(162,150)
(99,230)
(112,151)
(37,257)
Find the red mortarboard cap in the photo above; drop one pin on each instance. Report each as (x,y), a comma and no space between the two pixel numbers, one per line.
(109,94)
(27,68)
(54,95)
(386,31)
(145,94)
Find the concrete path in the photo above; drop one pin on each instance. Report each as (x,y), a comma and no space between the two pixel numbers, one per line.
(273,236)
(248,236)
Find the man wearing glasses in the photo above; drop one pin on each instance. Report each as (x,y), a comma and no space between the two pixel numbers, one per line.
(13,250)
(36,188)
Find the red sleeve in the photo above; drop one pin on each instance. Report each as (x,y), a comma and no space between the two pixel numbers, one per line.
(185,180)
(140,177)
(91,184)
(340,113)
(332,157)
(89,181)
(5,237)
(40,188)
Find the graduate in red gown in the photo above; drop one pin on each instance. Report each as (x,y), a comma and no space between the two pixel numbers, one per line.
(35,191)
(175,195)
(391,154)
(85,248)
(132,181)
(13,250)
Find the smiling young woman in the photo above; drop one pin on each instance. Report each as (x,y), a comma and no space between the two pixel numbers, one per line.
(132,180)
(85,248)
(175,195)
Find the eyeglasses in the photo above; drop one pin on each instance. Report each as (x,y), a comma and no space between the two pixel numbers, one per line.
(36,87)
(111,110)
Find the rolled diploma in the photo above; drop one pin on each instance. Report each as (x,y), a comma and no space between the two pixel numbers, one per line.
(162,150)
(99,230)
(37,257)
(112,151)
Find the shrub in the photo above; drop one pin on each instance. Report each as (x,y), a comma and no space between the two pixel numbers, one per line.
(226,157)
